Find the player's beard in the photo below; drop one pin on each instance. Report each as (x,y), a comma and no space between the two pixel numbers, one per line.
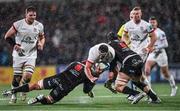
(30,21)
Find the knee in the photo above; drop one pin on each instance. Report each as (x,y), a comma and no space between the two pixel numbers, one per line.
(119,87)
(35,86)
(147,71)
(26,78)
(111,76)
(165,73)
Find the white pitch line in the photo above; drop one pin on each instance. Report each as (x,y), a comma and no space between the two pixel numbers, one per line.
(86,97)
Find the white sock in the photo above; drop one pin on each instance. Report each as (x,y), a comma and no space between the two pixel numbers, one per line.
(171,81)
(147,80)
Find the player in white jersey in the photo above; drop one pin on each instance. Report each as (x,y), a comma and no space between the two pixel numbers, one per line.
(159,56)
(29,36)
(138,31)
(99,53)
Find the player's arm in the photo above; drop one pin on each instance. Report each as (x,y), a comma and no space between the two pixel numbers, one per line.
(88,71)
(153,39)
(41,41)
(125,37)
(41,38)
(120,32)
(113,67)
(9,36)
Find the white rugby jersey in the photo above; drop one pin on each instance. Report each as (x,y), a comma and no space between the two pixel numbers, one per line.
(27,36)
(95,56)
(161,41)
(138,34)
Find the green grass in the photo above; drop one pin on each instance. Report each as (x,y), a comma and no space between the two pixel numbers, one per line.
(104,100)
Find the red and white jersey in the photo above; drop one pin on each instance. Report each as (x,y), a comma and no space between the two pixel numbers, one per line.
(161,41)
(94,54)
(138,34)
(27,36)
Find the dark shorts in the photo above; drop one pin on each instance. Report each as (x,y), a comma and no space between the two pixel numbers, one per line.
(59,85)
(133,66)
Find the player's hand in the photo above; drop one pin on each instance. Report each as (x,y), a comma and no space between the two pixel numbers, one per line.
(40,46)
(93,79)
(148,49)
(17,47)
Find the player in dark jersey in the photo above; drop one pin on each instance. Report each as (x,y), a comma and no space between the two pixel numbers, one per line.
(61,84)
(131,69)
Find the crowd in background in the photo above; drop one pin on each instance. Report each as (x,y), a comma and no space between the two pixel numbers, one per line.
(73,26)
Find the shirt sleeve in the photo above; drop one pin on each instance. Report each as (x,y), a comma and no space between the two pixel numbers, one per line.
(92,56)
(16,25)
(150,28)
(41,29)
(125,28)
(120,32)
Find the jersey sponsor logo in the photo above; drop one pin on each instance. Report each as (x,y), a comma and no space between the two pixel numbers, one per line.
(131,28)
(27,40)
(35,29)
(74,72)
(78,67)
(136,38)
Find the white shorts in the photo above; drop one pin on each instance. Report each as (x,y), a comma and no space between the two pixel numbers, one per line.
(161,59)
(21,65)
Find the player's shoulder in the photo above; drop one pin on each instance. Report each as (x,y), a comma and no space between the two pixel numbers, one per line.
(145,22)
(96,47)
(38,23)
(122,26)
(21,21)
(128,23)
(160,30)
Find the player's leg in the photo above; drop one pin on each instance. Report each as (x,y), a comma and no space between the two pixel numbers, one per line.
(18,70)
(60,89)
(163,63)
(27,75)
(170,78)
(120,85)
(144,87)
(148,66)
(22,88)
(87,88)
(108,83)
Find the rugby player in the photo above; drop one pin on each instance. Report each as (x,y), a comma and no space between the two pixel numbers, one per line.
(29,36)
(159,56)
(62,84)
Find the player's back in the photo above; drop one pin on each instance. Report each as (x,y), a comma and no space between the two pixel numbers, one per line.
(74,73)
(121,49)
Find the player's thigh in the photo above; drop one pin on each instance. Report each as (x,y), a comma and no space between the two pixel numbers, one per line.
(149,64)
(49,82)
(165,71)
(122,79)
(18,65)
(29,65)
(57,94)
(162,59)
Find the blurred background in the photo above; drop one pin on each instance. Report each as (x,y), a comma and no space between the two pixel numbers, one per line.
(73,26)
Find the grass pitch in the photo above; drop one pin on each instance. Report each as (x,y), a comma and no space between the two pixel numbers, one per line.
(104,101)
